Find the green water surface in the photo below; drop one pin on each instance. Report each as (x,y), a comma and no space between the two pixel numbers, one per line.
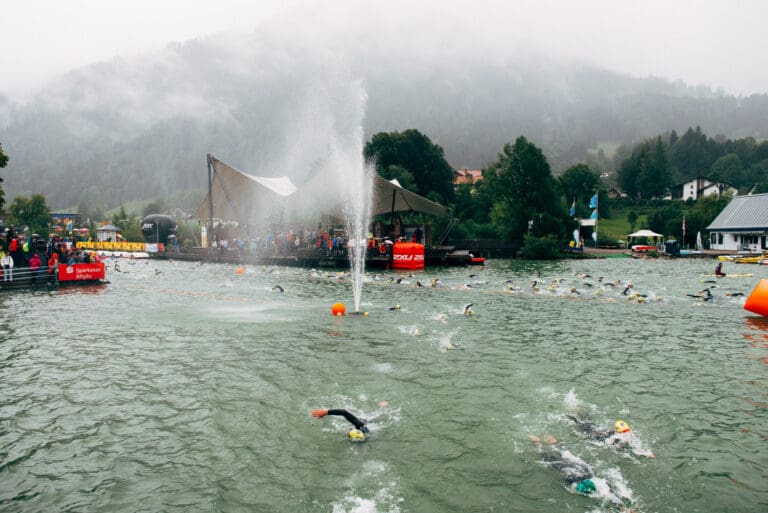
(188,387)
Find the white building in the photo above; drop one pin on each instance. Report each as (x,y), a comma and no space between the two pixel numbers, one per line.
(700,187)
(107,233)
(742,225)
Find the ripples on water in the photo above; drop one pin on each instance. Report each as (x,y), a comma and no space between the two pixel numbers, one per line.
(186,387)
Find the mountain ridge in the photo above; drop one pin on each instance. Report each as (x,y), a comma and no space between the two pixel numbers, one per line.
(136,128)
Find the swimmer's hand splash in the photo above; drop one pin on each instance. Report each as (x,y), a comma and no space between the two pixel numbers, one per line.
(319,413)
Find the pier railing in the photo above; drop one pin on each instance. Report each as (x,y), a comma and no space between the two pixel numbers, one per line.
(19,277)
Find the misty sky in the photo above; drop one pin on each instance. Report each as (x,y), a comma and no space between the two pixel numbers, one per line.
(716,43)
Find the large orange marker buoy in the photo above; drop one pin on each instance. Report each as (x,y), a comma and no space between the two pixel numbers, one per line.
(757,301)
(338,309)
(239,270)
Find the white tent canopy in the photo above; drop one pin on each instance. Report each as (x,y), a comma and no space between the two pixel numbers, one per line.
(389,196)
(238,196)
(646,233)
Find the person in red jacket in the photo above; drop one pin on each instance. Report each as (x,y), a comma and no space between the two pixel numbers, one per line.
(34,266)
(53,265)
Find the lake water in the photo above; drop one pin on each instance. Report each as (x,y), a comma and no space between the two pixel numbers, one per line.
(188,387)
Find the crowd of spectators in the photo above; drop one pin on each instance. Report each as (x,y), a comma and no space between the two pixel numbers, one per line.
(288,243)
(331,242)
(33,256)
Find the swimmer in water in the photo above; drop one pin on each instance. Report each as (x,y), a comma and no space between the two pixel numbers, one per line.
(395,308)
(704,295)
(468,309)
(277,288)
(626,290)
(355,435)
(576,473)
(620,436)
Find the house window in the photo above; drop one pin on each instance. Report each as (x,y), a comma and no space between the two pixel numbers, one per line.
(719,238)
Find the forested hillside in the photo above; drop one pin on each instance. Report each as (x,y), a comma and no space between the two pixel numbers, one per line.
(651,168)
(139,128)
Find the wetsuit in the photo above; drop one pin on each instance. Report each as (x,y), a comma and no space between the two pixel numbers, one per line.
(592,430)
(572,470)
(359,424)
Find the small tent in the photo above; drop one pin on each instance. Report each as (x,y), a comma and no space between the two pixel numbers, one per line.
(648,234)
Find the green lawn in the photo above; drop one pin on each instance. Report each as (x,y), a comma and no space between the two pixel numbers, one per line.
(617,226)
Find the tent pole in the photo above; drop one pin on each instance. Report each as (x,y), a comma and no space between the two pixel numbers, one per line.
(392,215)
(210,194)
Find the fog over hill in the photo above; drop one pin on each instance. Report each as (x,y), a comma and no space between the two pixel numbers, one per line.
(140,127)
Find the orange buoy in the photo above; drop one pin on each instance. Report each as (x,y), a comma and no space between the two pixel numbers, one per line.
(239,270)
(338,309)
(757,301)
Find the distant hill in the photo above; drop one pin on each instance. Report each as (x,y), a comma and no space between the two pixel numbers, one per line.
(138,128)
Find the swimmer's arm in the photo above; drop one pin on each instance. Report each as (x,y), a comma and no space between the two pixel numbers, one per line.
(359,424)
(647,453)
(604,435)
(550,440)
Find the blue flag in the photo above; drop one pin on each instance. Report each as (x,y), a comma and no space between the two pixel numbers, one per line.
(573,208)
(593,201)
(594,214)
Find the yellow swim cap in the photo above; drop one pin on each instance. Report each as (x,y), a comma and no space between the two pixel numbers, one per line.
(356,435)
(621,427)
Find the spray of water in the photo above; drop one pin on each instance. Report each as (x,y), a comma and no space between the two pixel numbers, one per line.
(336,113)
(357,216)
(355,178)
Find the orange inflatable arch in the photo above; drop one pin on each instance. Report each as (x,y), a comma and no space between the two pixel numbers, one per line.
(757,302)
